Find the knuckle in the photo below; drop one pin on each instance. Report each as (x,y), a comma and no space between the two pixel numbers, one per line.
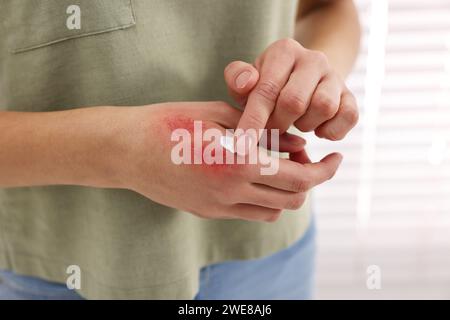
(288,43)
(293,103)
(255,120)
(326,106)
(268,90)
(351,115)
(318,58)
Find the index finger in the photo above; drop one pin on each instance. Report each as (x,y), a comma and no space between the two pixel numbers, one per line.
(275,71)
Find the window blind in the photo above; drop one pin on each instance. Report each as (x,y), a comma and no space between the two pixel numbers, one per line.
(389,204)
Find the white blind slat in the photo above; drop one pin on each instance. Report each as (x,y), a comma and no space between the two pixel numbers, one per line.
(408,228)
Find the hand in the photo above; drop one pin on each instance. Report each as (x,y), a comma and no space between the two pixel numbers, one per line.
(230,191)
(290,84)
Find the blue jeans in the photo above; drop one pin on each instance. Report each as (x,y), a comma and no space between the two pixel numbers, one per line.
(287,274)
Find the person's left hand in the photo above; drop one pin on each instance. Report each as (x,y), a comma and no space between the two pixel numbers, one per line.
(289,84)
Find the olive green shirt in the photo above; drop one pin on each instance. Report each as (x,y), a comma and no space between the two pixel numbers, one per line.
(128,52)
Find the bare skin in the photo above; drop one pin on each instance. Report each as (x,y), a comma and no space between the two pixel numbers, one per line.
(114,147)
(300,81)
(130,148)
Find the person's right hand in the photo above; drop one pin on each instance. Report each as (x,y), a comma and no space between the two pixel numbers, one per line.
(229,191)
(292,85)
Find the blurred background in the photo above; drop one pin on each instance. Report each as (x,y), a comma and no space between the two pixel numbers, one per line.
(389,205)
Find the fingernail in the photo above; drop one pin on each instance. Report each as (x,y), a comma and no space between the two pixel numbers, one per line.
(242,80)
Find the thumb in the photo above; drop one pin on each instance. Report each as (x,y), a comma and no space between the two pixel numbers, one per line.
(241,78)
(326,168)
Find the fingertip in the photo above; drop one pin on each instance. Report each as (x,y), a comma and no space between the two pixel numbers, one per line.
(340,157)
(300,157)
(334,157)
(293,139)
(318,132)
(240,76)
(300,140)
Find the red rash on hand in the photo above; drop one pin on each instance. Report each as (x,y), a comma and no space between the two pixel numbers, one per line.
(180,122)
(183,122)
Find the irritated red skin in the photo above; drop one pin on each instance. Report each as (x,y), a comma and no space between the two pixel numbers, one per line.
(183,122)
(180,122)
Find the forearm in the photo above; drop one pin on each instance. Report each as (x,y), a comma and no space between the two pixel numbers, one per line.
(74,147)
(331,27)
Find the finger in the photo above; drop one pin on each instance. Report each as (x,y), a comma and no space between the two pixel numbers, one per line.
(287,177)
(300,157)
(296,95)
(221,113)
(324,104)
(240,78)
(251,212)
(345,119)
(319,172)
(262,195)
(274,73)
(287,142)
(296,177)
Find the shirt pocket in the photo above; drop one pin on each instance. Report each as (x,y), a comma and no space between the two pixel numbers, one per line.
(35,24)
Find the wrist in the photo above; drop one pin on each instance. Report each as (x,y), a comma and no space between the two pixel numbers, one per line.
(91,146)
(84,146)
(129,139)
(111,147)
